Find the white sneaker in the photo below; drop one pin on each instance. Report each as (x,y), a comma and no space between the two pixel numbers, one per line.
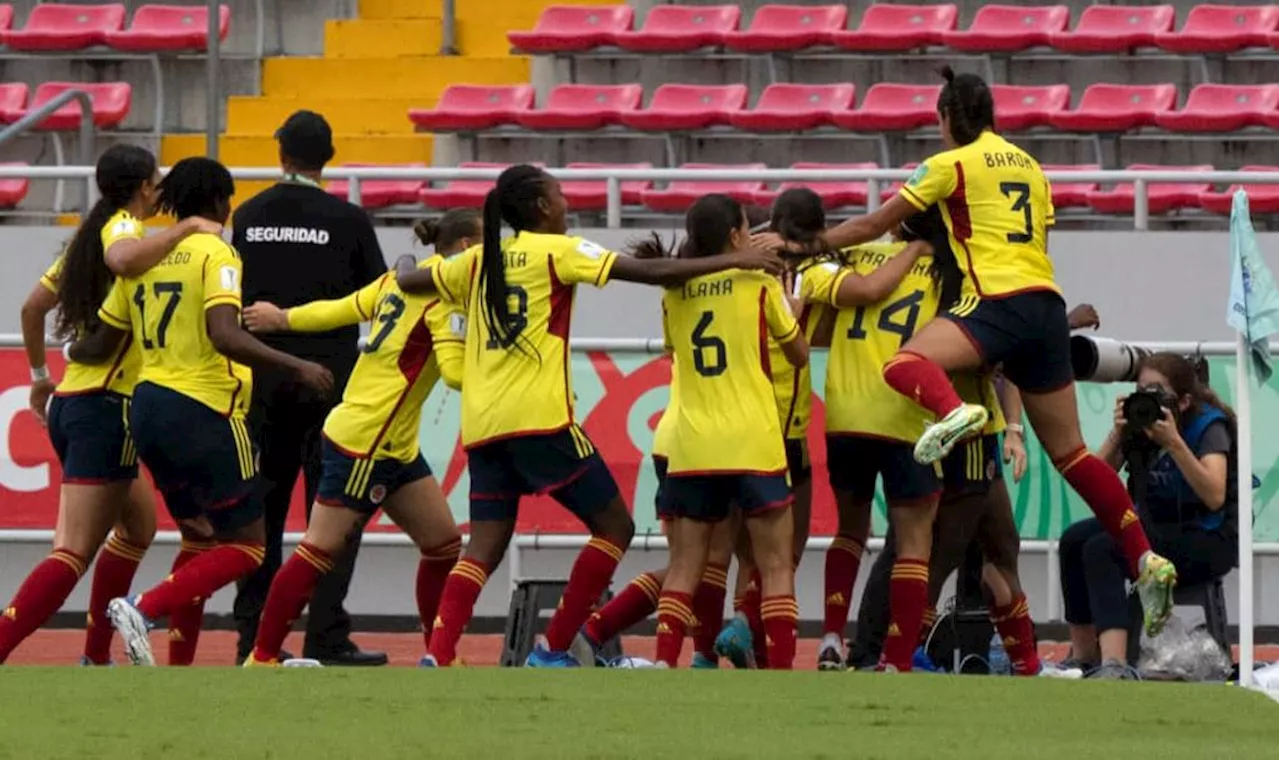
(132,626)
(831,653)
(301,662)
(1049,670)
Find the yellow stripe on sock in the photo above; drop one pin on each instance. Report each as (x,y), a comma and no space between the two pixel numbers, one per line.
(470,572)
(607,547)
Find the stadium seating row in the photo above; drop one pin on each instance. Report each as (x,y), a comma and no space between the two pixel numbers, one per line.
(56,27)
(1208,29)
(111,102)
(798,107)
(590,195)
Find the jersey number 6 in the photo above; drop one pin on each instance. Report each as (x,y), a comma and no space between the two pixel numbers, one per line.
(909,303)
(171,289)
(703,343)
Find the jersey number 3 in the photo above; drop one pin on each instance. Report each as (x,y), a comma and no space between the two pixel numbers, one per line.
(173,291)
(389,313)
(1020,193)
(709,356)
(904,329)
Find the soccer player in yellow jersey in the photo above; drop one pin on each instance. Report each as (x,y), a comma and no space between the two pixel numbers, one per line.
(187,415)
(518,425)
(371,455)
(998,210)
(87,416)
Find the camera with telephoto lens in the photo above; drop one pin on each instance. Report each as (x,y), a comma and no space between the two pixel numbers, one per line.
(1142,409)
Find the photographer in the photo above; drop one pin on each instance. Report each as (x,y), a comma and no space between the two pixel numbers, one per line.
(1178,441)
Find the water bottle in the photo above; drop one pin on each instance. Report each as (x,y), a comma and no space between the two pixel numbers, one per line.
(997,659)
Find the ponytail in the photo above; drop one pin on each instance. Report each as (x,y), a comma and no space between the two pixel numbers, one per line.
(651,247)
(493,274)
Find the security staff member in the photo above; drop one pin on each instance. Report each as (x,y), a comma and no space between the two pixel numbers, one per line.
(301,244)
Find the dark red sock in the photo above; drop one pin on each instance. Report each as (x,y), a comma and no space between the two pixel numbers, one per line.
(112,574)
(290,592)
(927,622)
(780,614)
(590,576)
(708,609)
(39,596)
(675,615)
(1019,635)
(908,596)
(457,603)
(634,603)
(433,571)
(751,610)
(187,620)
(922,381)
(839,575)
(200,578)
(1101,489)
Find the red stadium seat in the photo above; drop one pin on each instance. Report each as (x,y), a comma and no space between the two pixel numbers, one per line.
(1009,28)
(13,101)
(14,189)
(1224,108)
(794,107)
(892,107)
(1020,108)
(1116,108)
(582,106)
(158,28)
(1223,29)
(890,28)
(1273,40)
(111,102)
(54,26)
(679,196)
(469,107)
(1161,197)
(573,28)
(1115,28)
(1070,194)
(788,27)
(381,193)
(833,194)
(461,193)
(1263,199)
(6,18)
(681,28)
(687,106)
(593,194)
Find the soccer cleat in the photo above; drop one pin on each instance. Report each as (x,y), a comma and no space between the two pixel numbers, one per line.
(132,626)
(541,657)
(301,662)
(1114,670)
(1155,589)
(829,659)
(735,645)
(427,661)
(85,662)
(922,662)
(963,422)
(702,662)
(1049,670)
(584,650)
(254,662)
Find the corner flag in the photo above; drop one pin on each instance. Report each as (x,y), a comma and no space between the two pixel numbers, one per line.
(1252,310)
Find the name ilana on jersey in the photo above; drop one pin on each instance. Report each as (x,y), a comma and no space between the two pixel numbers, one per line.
(286,235)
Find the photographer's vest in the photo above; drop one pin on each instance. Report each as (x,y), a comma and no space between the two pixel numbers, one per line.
(1168,488)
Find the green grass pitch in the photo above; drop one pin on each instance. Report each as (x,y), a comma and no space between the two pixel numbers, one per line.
(494,714)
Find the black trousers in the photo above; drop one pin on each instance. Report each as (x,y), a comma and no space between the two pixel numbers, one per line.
(1094,569)
(286,420)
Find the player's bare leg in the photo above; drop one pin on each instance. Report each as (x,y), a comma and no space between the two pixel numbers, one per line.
(485,549)
(708,599)
(689,542)
(422,512)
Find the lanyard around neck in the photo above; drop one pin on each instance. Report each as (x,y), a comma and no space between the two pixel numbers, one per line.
(299,179)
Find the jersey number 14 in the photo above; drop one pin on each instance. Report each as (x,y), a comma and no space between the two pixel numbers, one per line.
(903,326)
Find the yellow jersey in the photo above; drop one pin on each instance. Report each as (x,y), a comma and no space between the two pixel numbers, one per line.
(412,341)
(726,420)
(979,388)
(792,386)
(165,309)
(524,389)
(119,373)
(997,206)
(858,400)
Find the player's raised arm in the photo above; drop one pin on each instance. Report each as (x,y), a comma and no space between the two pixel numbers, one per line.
(317,316)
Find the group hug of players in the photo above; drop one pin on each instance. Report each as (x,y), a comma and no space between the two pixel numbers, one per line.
(159,370)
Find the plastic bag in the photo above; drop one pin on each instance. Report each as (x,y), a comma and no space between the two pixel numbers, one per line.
(1183,652)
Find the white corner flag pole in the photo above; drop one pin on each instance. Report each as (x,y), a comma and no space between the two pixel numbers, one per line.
(1244,490)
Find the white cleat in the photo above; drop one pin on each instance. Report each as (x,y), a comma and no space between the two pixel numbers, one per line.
(301,662)
(133,627)
(1049,670)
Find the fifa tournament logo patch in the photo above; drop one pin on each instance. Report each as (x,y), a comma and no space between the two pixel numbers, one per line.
(917,176)
(377,494)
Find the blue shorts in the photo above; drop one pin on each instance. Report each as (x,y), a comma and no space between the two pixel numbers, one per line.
(563,465)
(709,498)
(854,462)
(363,484)
(203,463)
(1028,333)
(971,467)
(90,433)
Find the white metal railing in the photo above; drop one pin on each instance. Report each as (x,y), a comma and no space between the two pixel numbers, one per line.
(614,177)
(655,541)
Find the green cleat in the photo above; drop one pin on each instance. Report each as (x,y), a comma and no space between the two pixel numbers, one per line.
(939,438)
(1155,589)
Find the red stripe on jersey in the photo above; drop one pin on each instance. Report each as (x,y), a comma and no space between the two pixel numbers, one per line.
(961,227)
(413,357)
(115,366)
(558,324)
(764,337)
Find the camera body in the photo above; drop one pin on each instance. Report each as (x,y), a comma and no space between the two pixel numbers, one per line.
(1142,409)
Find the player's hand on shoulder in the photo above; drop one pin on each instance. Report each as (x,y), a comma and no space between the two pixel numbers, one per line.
(758,257)
(316,377)
(263,317)
(198,224)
